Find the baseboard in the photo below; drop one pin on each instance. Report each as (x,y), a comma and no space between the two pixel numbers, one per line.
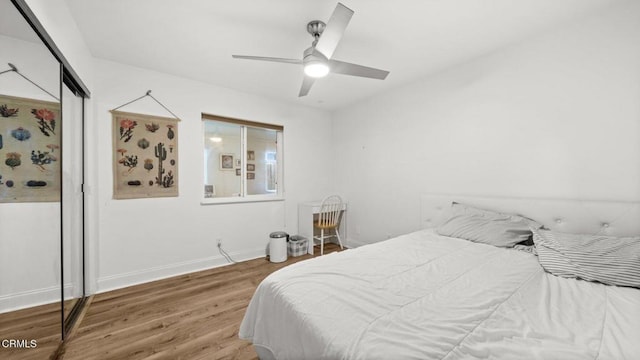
(118,281)
(35,297)
(30,298)
(352,243)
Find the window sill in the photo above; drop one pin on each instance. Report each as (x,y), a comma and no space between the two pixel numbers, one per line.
(237,200)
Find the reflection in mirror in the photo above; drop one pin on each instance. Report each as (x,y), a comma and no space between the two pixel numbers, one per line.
(222,149)
(261,147)
(30,183)
(72,205)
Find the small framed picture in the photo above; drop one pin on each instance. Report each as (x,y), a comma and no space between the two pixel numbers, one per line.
(251,176)
(251,155)
(209,191)
(226,161)
(238,162)
(251,167)
(238,172)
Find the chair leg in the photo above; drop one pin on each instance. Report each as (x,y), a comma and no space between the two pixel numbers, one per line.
(321,242)
(338,236)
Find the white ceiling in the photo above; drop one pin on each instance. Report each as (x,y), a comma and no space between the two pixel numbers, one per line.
(410,38)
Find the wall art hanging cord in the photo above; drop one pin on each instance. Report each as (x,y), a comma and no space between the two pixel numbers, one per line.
(148,93)
(13,68)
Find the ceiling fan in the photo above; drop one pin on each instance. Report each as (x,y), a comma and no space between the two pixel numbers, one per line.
(316,60)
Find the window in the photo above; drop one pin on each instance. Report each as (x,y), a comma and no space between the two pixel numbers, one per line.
(242,160)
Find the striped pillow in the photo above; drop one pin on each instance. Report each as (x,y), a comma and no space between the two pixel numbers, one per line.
(606,259)
(486,226)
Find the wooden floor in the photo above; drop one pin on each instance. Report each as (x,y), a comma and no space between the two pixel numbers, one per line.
(194,316)
(40,323)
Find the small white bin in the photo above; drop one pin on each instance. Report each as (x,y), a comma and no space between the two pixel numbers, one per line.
(278,246)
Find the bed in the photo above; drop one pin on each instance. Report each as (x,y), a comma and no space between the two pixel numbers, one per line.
(424,295)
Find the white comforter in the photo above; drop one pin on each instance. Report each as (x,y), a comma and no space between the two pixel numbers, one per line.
(425,296)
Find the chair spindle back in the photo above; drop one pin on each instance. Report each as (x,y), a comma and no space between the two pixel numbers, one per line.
(330,211)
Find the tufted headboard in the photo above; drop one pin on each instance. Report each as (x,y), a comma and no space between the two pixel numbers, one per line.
(617,218)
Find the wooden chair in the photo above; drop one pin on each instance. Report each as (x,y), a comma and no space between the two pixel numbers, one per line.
(329,219)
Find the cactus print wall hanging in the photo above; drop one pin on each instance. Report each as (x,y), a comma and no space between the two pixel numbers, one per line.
(145,156)
(29,150)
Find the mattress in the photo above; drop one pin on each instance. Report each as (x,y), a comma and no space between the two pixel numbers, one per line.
(426,296)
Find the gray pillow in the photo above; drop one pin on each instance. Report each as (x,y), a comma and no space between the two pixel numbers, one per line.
(486,226)
(606,259)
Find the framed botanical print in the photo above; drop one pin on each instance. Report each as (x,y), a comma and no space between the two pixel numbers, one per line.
(145,156)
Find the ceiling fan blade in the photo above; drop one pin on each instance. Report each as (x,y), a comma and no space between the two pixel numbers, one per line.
(306,85)
(345,68)
(333,31)
(262,58)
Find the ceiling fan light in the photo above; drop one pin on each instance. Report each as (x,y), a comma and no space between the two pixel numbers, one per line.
(316,69)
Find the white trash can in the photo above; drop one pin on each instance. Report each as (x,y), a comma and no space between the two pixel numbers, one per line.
(278,246)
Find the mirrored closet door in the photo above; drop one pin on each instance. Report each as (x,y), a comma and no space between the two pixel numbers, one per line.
(41,176)
(30,185)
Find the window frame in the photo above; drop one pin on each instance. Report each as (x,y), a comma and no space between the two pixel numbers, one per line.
(277,195)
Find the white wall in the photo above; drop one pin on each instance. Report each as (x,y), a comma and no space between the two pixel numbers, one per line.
(554,116)
(143,239)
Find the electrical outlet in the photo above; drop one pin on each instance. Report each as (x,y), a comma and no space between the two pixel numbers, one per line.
(219,241)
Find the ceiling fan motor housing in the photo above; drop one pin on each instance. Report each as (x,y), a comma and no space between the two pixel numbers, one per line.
(315,28)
